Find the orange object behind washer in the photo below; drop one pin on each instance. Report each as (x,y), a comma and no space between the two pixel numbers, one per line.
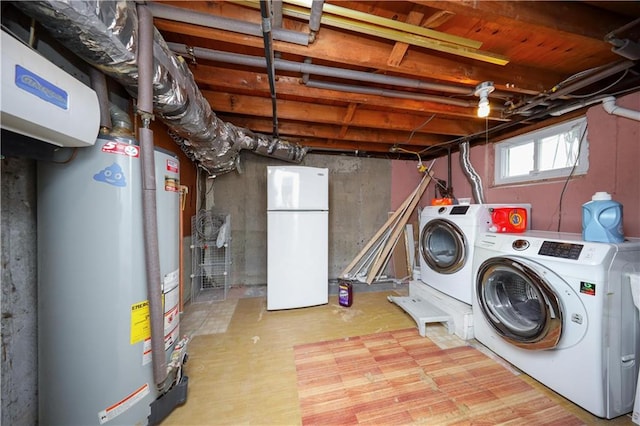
(509,219)
(441,201)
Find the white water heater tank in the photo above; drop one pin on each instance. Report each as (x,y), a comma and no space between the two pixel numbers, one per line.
(41,101)
(94,335)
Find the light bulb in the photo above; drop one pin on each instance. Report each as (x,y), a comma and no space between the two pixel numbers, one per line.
(483,107)
(482,91)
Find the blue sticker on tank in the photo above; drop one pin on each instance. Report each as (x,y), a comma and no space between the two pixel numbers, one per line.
(113,175)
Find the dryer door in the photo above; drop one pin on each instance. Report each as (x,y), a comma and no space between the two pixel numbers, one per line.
(442,246)
(519,303)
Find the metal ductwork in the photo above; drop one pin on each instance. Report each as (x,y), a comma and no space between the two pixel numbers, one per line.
(470,173)
(105,34)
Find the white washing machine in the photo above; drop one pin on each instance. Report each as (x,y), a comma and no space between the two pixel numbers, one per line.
(560,309)
(447,234)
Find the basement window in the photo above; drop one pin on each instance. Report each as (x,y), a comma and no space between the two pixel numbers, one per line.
(553,152)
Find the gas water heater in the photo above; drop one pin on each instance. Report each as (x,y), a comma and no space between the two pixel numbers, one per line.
(94,346)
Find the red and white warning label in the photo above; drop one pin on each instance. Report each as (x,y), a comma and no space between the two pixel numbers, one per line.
(113,147)
(123,405)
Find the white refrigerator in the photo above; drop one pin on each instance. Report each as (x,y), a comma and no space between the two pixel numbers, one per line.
(297,237)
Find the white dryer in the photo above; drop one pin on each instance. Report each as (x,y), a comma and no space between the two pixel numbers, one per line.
(447,235)
(560,309)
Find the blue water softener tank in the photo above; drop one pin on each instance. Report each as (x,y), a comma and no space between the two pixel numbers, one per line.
(602,219)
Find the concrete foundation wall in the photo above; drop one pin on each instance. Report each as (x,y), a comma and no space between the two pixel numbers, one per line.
(359,200)
(19,371)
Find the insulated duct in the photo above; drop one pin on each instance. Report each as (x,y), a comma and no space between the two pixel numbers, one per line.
(470,173)
(105,34)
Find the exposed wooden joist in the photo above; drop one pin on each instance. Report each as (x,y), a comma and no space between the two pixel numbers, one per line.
(259,106)
(225,79)
(351,110)
(573,18)
(400,48)
(333,46)
(301,129)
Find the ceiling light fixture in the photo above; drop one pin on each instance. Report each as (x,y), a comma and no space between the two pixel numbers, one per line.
(482,91)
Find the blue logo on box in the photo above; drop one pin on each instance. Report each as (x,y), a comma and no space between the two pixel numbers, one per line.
(36,85)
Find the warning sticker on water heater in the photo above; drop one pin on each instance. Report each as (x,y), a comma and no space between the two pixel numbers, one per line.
(120,407)
(140,325)
(172,166)
(171,184)
(113,147)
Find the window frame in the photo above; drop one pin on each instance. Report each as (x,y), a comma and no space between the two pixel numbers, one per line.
(535,137)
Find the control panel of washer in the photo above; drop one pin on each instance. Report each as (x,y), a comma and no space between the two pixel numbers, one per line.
(563,250)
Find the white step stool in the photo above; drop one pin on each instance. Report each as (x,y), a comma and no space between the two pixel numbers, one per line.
(423,312)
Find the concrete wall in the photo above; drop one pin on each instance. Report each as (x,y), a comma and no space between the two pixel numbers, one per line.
(359,201)
(614,152)
(19,371)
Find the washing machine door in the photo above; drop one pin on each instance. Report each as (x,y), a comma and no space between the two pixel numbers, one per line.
(519,303)
(442,246)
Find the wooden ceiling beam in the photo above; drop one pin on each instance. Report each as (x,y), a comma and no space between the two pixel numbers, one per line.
(289,128)
(333,46)
(351,110)
(572,17)
(400,48)
(295,110)
(225,79)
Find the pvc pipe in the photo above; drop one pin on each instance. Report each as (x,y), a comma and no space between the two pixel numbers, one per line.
(609,105)
(149,206)
(303,68)
(315,15)
(277,13)
(178,14)
(388,93)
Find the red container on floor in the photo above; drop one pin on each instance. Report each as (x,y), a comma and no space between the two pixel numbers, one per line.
(508,219)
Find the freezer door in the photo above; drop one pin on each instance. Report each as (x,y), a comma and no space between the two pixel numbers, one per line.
(297,188)
(297,259)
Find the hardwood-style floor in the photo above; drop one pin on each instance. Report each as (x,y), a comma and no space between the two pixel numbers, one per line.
(243,372)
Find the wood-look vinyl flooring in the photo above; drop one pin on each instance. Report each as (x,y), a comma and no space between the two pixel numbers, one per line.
(246,375)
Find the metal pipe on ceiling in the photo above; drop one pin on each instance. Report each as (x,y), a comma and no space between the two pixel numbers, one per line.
(179,14)
(268,54)
(559,90)
(303,68)
(314,18)
(276,6)
(410,34)
(388,93)
(357,16)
